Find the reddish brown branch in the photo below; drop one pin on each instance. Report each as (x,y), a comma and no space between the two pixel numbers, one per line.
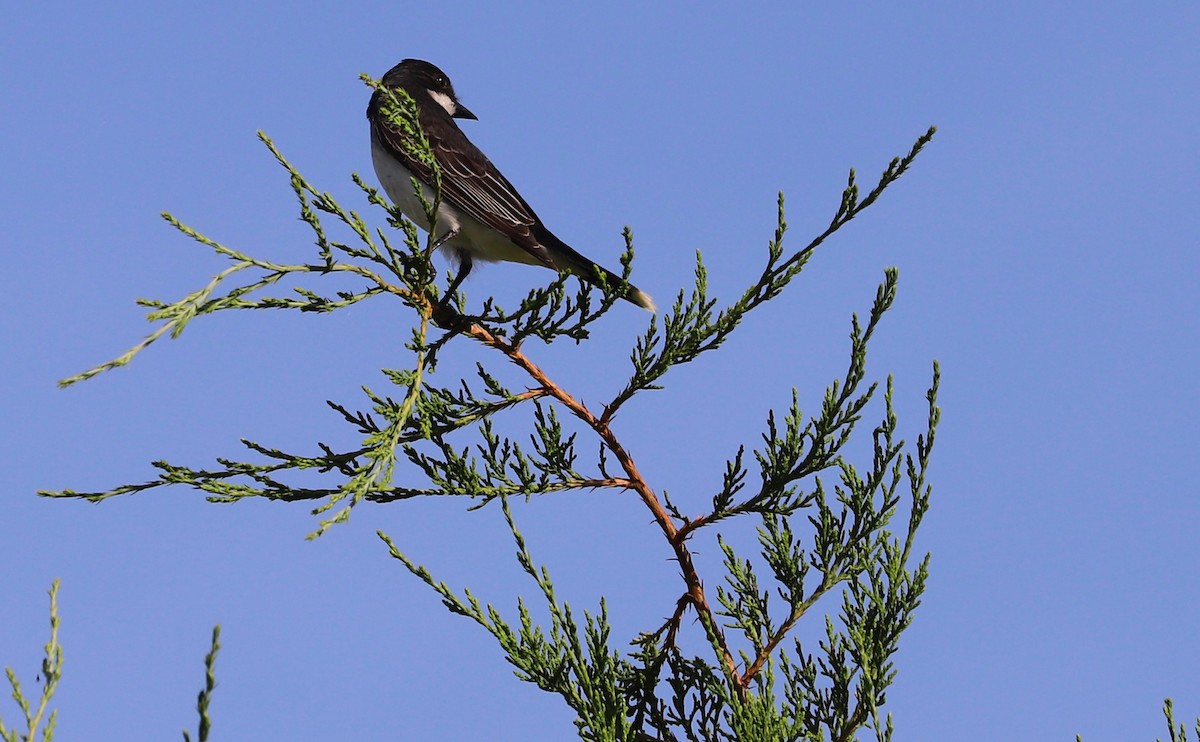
(695,587)
(857,718)
(676,619)
(669,630)
(686,530)
(756,665)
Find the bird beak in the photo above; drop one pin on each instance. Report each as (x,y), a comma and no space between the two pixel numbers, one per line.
(462,112)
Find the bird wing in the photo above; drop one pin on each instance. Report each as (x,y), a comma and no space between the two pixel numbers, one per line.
(470,182)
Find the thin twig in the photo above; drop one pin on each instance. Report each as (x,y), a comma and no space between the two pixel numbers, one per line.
(695,587)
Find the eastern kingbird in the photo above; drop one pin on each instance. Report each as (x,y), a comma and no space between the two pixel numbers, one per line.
(480,216)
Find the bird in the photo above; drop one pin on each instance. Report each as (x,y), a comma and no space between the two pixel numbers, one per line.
(480,216)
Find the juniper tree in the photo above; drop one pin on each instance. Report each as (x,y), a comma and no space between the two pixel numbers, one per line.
(830,531)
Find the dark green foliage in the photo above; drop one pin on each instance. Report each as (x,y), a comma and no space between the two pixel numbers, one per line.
(210,685)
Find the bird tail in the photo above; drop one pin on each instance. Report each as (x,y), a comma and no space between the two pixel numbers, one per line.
(566,258)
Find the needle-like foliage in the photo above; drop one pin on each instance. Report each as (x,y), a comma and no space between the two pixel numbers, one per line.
(830,530)
(50,675)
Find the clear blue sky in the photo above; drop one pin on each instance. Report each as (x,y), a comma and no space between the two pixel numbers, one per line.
(1048,256)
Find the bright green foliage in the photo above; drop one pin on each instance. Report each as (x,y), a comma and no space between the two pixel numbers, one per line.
(1178,733)
(50,675)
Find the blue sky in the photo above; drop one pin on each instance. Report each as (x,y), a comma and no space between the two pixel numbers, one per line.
(1047,248)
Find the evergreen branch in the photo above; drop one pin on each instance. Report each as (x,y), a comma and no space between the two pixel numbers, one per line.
(210,685)
(50,675)
(220,489)
(178,314)
(832,694)
(378,472)
(917,468)
(573,662)
(1177,734)
(691,329)
(803,450)
(875,609)
(600,426)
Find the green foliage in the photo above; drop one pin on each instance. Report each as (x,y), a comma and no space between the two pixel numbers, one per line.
(581,672)
(50,675)
(52,672)
(825,524)
(210,684)
(1175,733)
